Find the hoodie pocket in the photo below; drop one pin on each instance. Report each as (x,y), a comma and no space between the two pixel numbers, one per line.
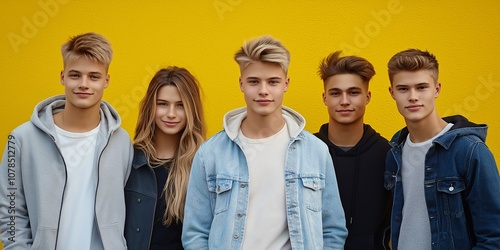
(313,192)
(222,189)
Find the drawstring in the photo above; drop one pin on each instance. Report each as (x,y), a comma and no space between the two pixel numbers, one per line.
(354,186)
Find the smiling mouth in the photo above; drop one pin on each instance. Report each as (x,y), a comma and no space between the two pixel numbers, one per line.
(170,124)
(414,106)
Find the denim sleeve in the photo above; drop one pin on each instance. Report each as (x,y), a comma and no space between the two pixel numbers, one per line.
(198,214)
(483,197)
(334,226)
(14,220)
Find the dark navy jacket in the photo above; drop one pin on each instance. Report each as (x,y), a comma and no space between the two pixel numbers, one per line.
(142,201)
(462,188)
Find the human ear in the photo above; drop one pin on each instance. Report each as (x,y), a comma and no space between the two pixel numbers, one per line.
(61,77)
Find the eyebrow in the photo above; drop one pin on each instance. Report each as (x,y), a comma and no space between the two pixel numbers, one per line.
(270,78)
(77,71)
(349,89)
(162,100)
(408,84)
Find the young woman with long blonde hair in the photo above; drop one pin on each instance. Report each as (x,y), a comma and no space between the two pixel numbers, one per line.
(169,130)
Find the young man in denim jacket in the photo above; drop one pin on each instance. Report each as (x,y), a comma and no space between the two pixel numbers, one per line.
(444,178)
(263,182)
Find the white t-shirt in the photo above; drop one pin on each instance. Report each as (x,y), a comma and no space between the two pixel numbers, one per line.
(415,232)
(266,222)
(77,227)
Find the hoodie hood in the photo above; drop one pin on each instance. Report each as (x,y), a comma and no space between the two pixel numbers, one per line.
(42,116)
(370,136)
(232,121)
(461,127)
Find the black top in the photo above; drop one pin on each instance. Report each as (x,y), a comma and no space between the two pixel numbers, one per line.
(360,177)
(164,237)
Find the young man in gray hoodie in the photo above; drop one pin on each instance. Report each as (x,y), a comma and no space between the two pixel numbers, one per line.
(63,173)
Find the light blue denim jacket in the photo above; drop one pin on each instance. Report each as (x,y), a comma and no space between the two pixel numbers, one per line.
(462,188)
(217,197)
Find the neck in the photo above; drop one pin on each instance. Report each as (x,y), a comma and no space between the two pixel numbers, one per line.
(257,126)
(165,144)
(345,135)
(78,120)
(425,129)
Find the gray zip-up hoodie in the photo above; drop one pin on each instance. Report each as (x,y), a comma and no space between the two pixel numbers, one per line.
(33,180)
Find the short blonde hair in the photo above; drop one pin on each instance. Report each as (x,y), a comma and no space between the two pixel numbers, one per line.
(263,49)
(89,45)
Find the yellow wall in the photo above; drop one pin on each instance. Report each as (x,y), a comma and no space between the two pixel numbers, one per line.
(203,35)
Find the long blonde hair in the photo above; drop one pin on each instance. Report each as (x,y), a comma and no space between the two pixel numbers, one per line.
(192,136)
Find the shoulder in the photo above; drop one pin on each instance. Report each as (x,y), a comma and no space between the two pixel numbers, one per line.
(311,140)
(27,127)
(27,132)
(218,140)
(121,134)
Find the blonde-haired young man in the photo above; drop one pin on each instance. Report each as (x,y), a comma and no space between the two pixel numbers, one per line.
(63,173)
(263,182)
(444,178)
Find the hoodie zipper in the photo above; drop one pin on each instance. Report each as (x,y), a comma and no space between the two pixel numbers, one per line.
(64,191)
(97,186)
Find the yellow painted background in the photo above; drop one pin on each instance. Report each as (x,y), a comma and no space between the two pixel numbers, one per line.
(203,36)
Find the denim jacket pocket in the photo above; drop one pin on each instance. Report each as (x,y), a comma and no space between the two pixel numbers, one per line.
(313,190)
(222,189)
(451,198)
(451,186)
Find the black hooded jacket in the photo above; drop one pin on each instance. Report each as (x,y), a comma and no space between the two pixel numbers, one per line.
(360,178)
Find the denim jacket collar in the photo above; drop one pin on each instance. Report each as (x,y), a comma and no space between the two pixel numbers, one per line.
(294,121)
(461,127)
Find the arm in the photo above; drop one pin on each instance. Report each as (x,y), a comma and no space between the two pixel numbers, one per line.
(483,198)
(14,221)
(198,213)
(334,229)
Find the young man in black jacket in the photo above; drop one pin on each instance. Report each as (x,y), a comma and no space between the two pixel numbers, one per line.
(358,151)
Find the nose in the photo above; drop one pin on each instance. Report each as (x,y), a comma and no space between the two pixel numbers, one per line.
(171,111)
(344,99)
(413,95)
(84,83)
(263,90)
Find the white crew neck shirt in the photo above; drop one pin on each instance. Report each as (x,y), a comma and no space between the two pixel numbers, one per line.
(77,228)
(266,221)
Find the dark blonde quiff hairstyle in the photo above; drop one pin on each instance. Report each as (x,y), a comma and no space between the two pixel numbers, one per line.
(334,64)
(89,45)
(413,60)
(192,136)
(263,49)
